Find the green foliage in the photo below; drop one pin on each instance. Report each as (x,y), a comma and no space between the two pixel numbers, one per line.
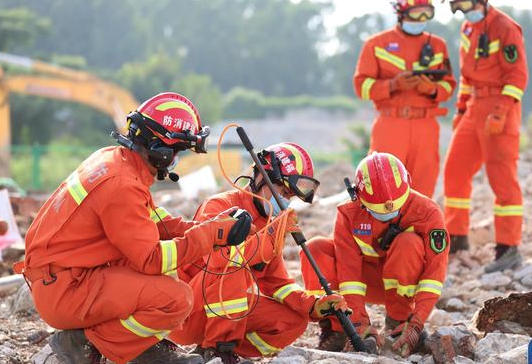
(20,27)
(251,104)
(206,96)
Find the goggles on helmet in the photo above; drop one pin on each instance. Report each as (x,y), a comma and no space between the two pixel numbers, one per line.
(419,12)
(464,6)
(302,186)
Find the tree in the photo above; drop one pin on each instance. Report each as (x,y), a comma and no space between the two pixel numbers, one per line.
(20,27)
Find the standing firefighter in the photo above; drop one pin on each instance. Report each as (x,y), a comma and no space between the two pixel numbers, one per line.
(100,264)
(486,127)
(407,105)
(227,320)
(389,247)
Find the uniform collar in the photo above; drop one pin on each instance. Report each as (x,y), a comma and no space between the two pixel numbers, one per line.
(139,166)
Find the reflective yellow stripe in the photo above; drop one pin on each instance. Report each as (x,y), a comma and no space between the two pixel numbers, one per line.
(297,155)
(236,258)
(226,307)
(143,331)
(169,256)
(493,48)
(508,210)
(366,88)
(365,248)
(408,291)
(159,214)
(383,54)
(75,188)
(457,203)
(353,287)
(409,229)
(395,171)
(446,85)
(465,89)
(261,345)
(381,208)
(430,285)
(284,291)
(316,292)
(178,105)
(465,42)
(515,92)
(365,178)
(436,61)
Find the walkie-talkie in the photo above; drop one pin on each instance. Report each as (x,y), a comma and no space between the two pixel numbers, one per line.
(483,45)
(427,55)
(350,189)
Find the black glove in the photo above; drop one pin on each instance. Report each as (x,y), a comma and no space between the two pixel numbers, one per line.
(240,230)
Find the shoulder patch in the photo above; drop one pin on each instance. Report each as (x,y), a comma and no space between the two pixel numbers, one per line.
(438,240)
(510,53)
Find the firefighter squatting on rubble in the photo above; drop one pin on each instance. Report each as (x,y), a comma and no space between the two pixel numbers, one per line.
(494,74)
(101,258)
(227,320)
(389,247)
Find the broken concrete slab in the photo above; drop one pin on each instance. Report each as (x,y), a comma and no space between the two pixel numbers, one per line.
(448,342)
(515,356)
(496,344)
(313,356)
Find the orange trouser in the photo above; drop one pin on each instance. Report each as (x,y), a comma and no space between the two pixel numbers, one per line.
(470,147)
(269,327)
(416,143)
(404,262)
(106,300)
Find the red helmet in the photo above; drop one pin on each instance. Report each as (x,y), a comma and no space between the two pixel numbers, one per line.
(173,119)
(293,169)
(382,183)
(417,10)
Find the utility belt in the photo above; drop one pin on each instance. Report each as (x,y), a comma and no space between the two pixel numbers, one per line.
(486,91)
(47,273)
(408,112)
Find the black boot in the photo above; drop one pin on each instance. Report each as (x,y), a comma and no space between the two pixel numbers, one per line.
(165,352)
(73,347)
(458,242)
(506,257)
(330,340)
(224,351)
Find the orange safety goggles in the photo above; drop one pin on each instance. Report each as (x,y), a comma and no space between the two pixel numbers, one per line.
(464,6)
(420,12)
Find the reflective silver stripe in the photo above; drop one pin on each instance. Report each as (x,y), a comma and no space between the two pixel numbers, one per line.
(235,256)
(430,285)
(75,188)
(284,291)
(353,287)
(226,307)
(261,345)
(143,331)
(168,256)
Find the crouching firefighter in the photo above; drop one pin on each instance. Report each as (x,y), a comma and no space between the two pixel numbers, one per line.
(228,321)
(101,258)
(389,247)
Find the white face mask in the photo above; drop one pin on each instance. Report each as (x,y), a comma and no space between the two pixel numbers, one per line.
(384,217)
(276,208)
(172,165)
(414,27)
(474,16)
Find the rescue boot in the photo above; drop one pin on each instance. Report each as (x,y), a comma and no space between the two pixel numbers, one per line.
(224,351)
(166,352)
(73,347)
(506,257)
(330,340)
(458,242)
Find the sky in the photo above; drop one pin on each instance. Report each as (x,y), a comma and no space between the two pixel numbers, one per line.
(347,9)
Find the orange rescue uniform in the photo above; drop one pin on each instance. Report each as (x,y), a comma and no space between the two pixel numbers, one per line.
(485,83)
(260,327)
(406,124)
(95,257)
(408,277)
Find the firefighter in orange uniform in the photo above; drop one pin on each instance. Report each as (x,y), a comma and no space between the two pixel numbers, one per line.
(389,247)
(101,265)
(226,320)
(494,74)
(407,105)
